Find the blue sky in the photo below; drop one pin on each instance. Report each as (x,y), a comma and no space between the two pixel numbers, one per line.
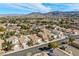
(25,8)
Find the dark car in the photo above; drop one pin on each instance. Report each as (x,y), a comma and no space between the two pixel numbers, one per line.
(41,49)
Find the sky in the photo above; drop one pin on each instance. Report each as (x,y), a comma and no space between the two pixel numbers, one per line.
(26,8)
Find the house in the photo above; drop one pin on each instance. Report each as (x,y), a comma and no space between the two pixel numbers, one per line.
(73,31)
(46,34)
(76,32)
(15,42)
(39,40)
(1,41)
(23,40)
(54,36)
(12,26)
(57,33)
(27,38)
(35,38)
(1,51)
(61,34)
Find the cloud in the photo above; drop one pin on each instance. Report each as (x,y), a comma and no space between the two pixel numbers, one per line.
(34,7)
(41,7)
(17,6)
(37,7)
(73,6)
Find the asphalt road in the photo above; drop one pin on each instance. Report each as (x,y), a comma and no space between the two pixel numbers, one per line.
(57,52)
(74,50)
(33,50)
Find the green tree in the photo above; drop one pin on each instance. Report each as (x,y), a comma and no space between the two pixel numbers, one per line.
(51,38)
(2,29)
(12,20)
(53,45)
(30,43)
(7,45)
(23,27)
(71,39)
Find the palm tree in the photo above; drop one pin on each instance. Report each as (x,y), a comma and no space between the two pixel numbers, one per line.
(7,45)
(30,43)
(71,39)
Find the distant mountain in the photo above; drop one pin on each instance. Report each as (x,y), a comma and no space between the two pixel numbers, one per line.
(38,14)
(58,13)
(2,15)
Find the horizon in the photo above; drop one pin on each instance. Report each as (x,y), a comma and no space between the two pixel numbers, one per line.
(35,12)
(27,8)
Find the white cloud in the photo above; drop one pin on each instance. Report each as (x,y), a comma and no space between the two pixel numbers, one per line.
(41,7)
(17,6)
(73,6)
(35,7)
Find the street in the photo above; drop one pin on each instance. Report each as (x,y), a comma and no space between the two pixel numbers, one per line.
(74,50)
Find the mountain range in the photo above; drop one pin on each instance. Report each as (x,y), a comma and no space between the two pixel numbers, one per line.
(55,13)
